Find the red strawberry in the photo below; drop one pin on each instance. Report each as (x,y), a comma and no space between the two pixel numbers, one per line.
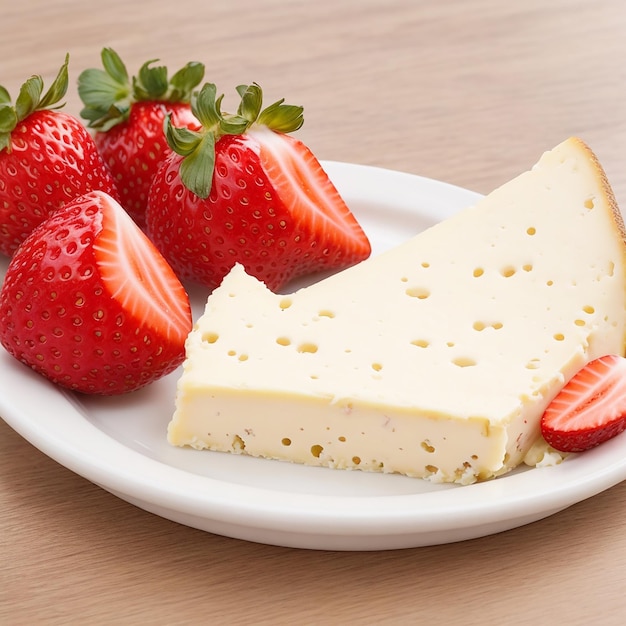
(89,302)
(241,190)
(128,117)
(47,158)
(590,409)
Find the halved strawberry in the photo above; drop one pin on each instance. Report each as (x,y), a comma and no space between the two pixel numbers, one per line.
(241,190)
(128,115)
(591,407)
(89,302)
(47,158)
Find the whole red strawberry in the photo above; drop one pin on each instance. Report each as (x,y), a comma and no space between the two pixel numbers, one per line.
(241,190)
(47,158)
(89,302)
(128,115)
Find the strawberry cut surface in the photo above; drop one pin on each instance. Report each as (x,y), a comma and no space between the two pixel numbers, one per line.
(591,407)
(137,277)
(89,302)
(296,175)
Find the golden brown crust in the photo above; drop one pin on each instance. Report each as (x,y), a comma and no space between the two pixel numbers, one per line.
(609,196)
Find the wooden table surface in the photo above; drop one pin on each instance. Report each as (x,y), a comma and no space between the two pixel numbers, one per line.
(467,91)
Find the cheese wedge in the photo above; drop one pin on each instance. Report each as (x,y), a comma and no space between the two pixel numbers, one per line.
(435,359)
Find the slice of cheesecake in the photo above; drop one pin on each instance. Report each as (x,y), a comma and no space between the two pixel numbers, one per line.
(435,359)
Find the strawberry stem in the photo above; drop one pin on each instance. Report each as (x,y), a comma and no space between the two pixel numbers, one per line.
(198,147)
(29,100)
(108,94)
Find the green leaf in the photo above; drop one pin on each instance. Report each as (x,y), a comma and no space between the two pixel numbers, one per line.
(5,141)
(198,152)
(198,147)
(91,115)
(8,118)
(182,140)
(196,169)
(233,125)
(98,90)
(57,89)
(151,83)
(8,121)
(105,93)
(114,66)
(207,107)
(28,98)
(251,101)
(116,113)
(284,118)
(185,80)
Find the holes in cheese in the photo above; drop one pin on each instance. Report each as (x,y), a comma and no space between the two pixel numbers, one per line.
(317,450)
(480,325)
(307,348)
(464,361)
(418,292)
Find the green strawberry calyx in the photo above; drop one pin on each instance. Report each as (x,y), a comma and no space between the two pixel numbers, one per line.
(108,94)
(197,147)
(31,98)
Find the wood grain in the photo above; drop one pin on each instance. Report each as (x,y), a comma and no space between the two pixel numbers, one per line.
(470,92)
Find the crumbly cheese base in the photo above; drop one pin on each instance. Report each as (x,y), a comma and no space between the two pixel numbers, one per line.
(435,359)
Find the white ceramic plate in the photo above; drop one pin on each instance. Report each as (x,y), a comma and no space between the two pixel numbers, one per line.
(119,443)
